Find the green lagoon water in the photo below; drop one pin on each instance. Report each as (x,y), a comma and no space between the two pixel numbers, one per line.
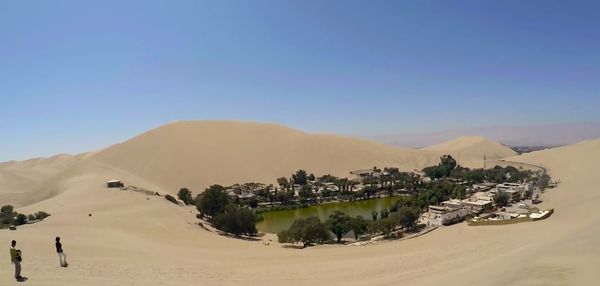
(277,221)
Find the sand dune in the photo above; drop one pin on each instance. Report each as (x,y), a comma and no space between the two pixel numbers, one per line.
(197,154)
(134,239)
(470,150)
(18,179)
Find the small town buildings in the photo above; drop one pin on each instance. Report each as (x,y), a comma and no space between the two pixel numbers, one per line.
(484,187)
(514,190)
(453,204)
(482,196)
(245,197)
(479,206)
(445,215)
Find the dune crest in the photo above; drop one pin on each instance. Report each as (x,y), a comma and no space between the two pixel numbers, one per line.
(196,154)
(470,150)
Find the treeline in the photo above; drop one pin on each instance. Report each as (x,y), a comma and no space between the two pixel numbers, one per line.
(8,217)
(311,230)
(219,209)
(449,168)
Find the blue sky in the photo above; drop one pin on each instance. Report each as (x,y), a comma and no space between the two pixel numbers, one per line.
(78,76)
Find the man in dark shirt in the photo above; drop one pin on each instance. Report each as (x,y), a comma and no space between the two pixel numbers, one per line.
(61,254)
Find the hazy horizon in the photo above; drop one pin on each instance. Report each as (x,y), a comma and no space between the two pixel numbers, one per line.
(79,76)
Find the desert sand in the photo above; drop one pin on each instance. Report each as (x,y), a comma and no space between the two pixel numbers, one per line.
(470,150)
(134,239)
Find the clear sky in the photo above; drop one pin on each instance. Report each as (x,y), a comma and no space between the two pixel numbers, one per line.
(77,76)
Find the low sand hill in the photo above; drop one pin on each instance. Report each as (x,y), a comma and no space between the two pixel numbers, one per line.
(18,179)
(470,150)
(134,239)
(201,153)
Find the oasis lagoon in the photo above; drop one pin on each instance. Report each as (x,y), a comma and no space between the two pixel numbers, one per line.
(276,221)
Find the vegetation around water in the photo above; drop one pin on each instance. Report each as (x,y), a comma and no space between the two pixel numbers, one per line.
(311,230)
(235,209)
(219,209)
(10,217)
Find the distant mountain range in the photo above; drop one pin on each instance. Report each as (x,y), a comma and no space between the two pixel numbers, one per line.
(524,137)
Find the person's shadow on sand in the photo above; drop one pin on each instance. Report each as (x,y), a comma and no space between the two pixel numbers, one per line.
(22,279)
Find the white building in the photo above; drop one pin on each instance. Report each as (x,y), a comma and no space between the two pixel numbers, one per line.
(444,215)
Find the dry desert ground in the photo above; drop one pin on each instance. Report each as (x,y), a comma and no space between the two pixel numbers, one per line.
(135,239)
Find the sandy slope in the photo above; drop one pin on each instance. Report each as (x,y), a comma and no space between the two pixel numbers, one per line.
(471,149)
(133,239)
(197,154)
(19,179)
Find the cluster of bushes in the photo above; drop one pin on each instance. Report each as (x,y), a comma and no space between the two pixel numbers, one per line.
(405,217)
(9,217)
(436,192)
(185,196)
(311,230)
(443,169)
(502,199)
(449,168)
(543,182)
(306,231)
(171,199)
(218,208)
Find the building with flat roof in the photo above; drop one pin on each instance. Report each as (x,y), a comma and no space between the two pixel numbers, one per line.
(443,215)
(479,206)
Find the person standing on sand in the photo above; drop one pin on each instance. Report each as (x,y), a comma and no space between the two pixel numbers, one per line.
(61,254)
(15,258)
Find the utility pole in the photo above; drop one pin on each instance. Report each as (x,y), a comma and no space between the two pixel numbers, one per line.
(484,161)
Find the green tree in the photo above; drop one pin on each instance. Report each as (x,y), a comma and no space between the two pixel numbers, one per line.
(443,169)
(359,226)
(459,192)
(7,210)
(237,221)
(501,199)
(21,219)
(300,178)
(305,193)
(185,196)
(326,193)
(328,179)
(171,199)
(306,231)
(41,215)
(7,214)
(543,182)
(408,216)
(384,213)
(213,201)
(339,223)
(283,183)
(374,215)
(448,162)
(384,226)
(475,176)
